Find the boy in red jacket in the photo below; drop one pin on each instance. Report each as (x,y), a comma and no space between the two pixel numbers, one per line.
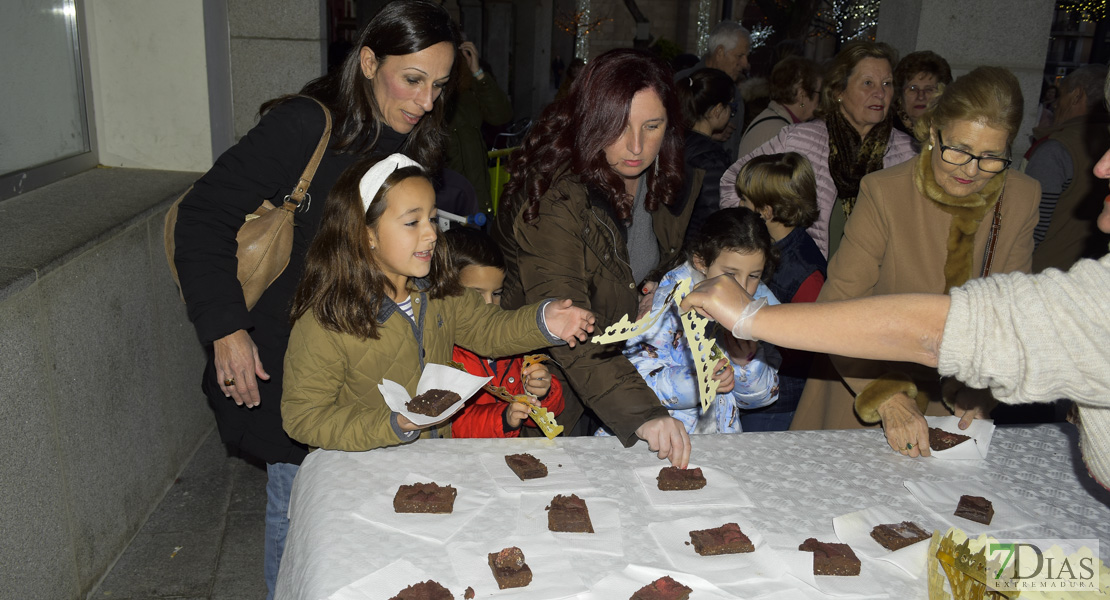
(479,265)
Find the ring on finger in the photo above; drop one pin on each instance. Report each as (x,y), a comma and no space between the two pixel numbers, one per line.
(909,445)
(229,382)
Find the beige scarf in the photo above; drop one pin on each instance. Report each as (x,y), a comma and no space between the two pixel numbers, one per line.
(967,213)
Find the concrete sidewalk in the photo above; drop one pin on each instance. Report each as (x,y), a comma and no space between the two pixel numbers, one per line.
(203,541)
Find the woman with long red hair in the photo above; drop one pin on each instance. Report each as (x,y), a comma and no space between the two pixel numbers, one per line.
(595,211)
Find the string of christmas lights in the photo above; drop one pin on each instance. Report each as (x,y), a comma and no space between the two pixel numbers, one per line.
(1089,11)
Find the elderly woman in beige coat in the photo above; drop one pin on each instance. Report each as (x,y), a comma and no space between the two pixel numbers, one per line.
(953,214)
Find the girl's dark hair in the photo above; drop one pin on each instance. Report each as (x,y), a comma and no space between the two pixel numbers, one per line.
(701,91)
(469,247)
(343,284)
(737,230)
(401,27)
(573,133)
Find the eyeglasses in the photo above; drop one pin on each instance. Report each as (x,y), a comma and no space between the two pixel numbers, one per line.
(955,156)
(928,90)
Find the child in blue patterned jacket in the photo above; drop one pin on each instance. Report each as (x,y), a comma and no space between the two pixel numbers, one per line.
(732,241)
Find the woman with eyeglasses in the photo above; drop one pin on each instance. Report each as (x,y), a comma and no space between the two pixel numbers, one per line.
(953,214)
(917,78)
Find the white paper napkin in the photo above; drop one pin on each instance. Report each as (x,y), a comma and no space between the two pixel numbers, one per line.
(674,538)
(552,575)
(941,497)
(980,431)
(634,577)
(386,582)
(562,472)
(604,516)
(799,565)
(434,377)
(720,489)
(438,527)
(855,530)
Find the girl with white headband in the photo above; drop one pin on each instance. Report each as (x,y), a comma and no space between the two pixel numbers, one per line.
(374,304)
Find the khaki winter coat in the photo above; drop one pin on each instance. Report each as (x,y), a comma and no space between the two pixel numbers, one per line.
(576,250)
(896,242)
(330,397)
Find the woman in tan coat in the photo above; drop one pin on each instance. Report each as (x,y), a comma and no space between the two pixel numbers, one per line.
(928,225)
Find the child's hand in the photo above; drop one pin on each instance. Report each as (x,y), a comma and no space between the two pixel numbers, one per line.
(724,377)
(516,412)
(568,322)
(741,351)
(646,299)
(406,425)
(537,380)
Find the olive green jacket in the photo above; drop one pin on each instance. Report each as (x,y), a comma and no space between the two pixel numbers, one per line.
(330,397)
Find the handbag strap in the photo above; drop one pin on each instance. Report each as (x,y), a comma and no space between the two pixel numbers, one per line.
(992,239)
(301,189)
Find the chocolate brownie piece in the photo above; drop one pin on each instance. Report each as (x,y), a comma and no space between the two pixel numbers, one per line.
(975,508)
(432,402)
(831,559)
(568,513)
(726,539)
(424,498)
(896,536)
(526,466)
(509,568)
(427,590)
(940,439)
(674,478)
(663,588)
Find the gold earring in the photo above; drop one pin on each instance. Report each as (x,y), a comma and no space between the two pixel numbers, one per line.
(803,105)
(839,100)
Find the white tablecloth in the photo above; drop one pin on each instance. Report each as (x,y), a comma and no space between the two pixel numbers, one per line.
(798,481)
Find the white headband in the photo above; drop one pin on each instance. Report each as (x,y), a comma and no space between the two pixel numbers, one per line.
(372,181)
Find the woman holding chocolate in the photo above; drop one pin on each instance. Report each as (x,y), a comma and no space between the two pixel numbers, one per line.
(953,214)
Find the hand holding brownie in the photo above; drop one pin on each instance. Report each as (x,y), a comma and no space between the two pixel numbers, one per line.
(905,428)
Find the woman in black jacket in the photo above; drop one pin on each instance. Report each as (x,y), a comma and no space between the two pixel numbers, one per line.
(706,97)
(387,97)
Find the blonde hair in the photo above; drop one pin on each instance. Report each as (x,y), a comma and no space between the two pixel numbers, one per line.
(988,94)
(785,182)
(836,78)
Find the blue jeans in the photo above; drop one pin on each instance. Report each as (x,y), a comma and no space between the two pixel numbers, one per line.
(765,421)
(278,487)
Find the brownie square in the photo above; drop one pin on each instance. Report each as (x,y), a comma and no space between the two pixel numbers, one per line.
(896,536)
(424,498)
(831,559)
(663,588)
(940,439)
(674,478)
(427,590)
(975,508)
(526,466)
(726,539)
(509,568)
(568,513)
(432,402)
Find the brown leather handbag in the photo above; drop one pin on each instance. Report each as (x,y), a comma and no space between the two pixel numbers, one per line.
(266,237)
